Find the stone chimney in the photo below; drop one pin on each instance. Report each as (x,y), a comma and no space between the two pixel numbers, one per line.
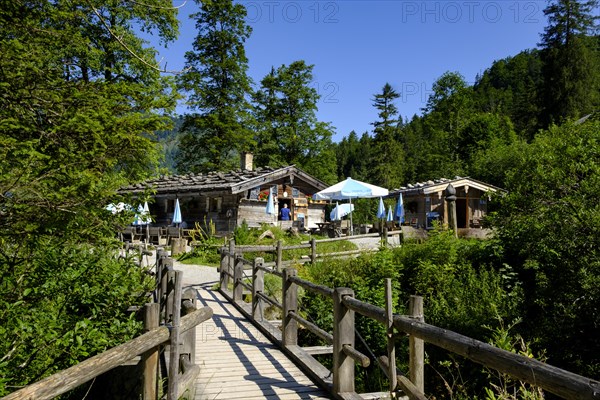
(246,161)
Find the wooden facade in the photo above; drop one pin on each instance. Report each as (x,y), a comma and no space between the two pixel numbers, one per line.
(424,202)
(227,199)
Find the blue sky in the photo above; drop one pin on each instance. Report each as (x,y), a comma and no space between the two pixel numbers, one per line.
(357,46)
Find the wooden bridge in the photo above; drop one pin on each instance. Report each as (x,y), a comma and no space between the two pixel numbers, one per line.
(237,361)
(234,352)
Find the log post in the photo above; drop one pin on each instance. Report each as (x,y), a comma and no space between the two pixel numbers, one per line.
(238,275)
(279,262)
(417,346)
(343,334)
(231,264)
(188,340)
(169,293)
(290,304)
(391,345)
(174,338)
(451,200)
(258,286)
(150,358)
(223,268)
(313,250)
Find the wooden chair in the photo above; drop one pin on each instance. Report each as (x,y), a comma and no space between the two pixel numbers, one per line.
(173,232)
(156,235)
(130,234)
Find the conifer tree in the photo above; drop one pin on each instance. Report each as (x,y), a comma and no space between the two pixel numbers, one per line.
(387,157)
(219,88)
(287,127)
(571,60)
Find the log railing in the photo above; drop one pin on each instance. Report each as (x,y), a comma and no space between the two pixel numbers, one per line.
(179,317)
(340,380)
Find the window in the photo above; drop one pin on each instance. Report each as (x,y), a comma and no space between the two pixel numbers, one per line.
(254,193)
(295,193)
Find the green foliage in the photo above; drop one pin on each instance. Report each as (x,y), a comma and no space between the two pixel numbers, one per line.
(548,224)
(204,245)
(464,285)
(386,161)
(503,386)
(571,60)
(512,87)
(66,304)
(218,86)
(288,131)
(81,98)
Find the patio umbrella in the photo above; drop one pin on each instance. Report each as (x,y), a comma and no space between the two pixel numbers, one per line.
(138,219)
(146,219)
(348,190)
(381,209)
(177,216)
(270,204)
(340,211)
(390,215)
(400,210)
(177,213)
(117,208)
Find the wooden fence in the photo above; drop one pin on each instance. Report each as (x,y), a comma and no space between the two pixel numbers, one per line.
(170,320)
(340,380)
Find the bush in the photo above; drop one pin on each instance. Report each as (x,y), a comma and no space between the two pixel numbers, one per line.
(68,304)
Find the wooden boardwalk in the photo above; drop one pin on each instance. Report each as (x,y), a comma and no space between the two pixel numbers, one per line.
(238,362)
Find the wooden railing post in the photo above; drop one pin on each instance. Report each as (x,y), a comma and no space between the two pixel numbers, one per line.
(258,286)
(150,358)
(343,335)
(279,262)
(174,337)
(417,346)
(391,345)
(238,275)
(313,250)
(167,282)
(290,304)
(231,264)
(223,268)
(188,341)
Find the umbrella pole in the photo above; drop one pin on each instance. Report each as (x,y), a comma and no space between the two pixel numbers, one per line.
(351,229)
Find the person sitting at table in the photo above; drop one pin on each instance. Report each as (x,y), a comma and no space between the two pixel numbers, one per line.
(284,213)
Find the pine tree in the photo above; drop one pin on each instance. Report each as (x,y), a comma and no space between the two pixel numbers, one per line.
(219,88)
(288,129)
(571,60)
(387,167)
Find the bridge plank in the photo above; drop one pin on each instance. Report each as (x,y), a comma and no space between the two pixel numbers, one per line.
(238,362)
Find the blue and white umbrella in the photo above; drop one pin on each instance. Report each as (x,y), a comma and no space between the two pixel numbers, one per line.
(340,211)
(139,218)
(381,209)
(270,204)
(145,218)
(390,215)
(350,189)
(177,213)
(400,210)
(117,208)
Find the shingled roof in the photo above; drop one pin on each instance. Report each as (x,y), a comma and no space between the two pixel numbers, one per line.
(227,182)
(441,184)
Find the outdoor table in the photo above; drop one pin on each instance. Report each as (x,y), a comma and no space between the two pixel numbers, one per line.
(323,226)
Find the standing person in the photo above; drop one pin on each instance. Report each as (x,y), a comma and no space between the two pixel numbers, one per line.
(285,213)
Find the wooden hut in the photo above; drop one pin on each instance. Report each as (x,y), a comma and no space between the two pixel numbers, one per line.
(229,198)
(425,202)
